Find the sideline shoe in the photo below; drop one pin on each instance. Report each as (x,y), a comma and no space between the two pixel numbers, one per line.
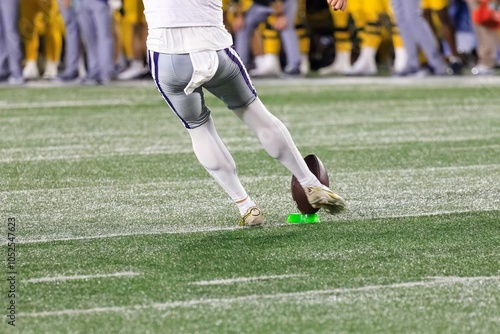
(134,71)
(291,72)
(30,70)
(50,70)
(341,65)
(253,217)
(266,65)
(324,197)
(16,81)
(66,77)
(482,70)
(456,65)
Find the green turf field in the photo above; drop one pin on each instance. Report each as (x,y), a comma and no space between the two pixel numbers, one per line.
(118,229)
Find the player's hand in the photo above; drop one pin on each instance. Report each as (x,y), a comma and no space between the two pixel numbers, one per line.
(280,23)
(337,4)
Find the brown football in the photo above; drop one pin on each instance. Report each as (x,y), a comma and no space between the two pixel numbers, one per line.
(299,196)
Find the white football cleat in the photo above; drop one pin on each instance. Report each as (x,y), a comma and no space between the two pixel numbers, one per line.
(325,198)
(50,70)
(253,217)
(365,65)
(266,65)
(341,65)
(30,70)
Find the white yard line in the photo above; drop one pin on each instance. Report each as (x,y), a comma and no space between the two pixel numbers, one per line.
(64,103)
(258,178)
(217,229)
(436,281)
(374,82)
(452,279)
(75,153)
(115,153)
(79,277)
(117,235)
(484,147)
(245,279)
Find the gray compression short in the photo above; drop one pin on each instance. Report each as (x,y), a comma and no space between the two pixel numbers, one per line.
(231,84)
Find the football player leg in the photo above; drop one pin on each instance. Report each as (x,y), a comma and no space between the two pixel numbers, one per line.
(10,43)
(343,45)
(134,15)
(240,96)
(366,17)
(71,41)
(53,39)
(400,55)
(233,86)
(440,8)
(416,32)
(254,16)
(172,73)
(268,63)
(304,39)
(29,32)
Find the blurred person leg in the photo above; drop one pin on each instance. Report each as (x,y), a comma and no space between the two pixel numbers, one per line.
(268,63)
(304,37)
(465,36)
(343,44)
(366,17)
(124,53)
(71,41)
(89,38)
(10,45)
(29,31)
(53,38)
(400,56)
(290,40)
(487,45)
(254,16)
(134,15)
(257,14)
(41,17)
(94,19)
(120,59)
(447,28)
(416,33)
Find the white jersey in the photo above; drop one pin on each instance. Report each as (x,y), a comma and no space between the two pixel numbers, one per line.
(185,26)
(182,13)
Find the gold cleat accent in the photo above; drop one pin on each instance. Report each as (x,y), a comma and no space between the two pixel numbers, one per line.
(253,217)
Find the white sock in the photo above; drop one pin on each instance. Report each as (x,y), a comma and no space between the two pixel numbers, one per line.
(276,140)
(215,157)
(244,205)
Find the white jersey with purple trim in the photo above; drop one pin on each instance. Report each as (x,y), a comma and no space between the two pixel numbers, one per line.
(185,26)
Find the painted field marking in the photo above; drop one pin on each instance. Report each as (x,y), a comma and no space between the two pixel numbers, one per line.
(245,279)
(217,229)
(436,281)
(64,103)
(79,277)
(119,151)
(424,170)
(118,235)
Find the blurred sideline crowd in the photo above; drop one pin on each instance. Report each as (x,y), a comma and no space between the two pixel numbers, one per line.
(96,41)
